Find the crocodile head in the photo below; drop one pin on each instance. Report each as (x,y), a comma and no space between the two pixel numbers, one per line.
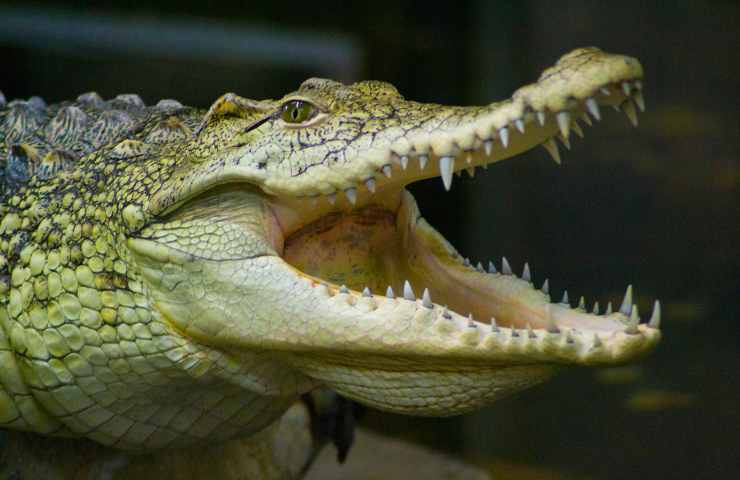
(285,227)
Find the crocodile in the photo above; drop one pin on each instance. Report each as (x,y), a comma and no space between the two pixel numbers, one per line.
(173,277)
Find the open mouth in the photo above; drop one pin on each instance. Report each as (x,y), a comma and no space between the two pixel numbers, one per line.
(371,241)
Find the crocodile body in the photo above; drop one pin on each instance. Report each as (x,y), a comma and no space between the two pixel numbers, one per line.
(171,276)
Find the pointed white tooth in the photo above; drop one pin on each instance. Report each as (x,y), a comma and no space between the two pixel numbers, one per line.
(597,341)
(563,119)
(426,299)
(514,333)
(488,147)
(479,267)
(596,310)
(541,118)
(351,195)
(629,110)
(503,134)
(332,198)
(491,267)
(546,286)
(626,88)
(389,292)
(469,158)
(505,267)
(408,292)
(370,184)
(577,128)
(446,166)
(494,327)
(639,100)
(605,91)
(343,289)
(586,119)
(655,317)
(608,309)
(466,262)
(569,337)
(526,274)
(626,307)
(366,292)
(423,160)
(582,304)
(634,321)
(593,108)
(471,172)
(387,170)
(446,314)
(565,141)
(565,299)
(552,149)
(404,161)
(530,332)
(471,322)
(519,123)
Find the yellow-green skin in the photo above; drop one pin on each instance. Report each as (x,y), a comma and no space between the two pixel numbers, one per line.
(140,318)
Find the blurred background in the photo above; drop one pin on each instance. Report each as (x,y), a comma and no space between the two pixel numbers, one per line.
(656,207)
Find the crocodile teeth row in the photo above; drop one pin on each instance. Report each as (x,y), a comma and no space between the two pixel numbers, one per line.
(566,121)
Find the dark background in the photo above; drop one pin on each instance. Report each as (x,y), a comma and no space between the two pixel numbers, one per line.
(656,207)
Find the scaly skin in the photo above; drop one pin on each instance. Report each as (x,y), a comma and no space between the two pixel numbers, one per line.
(172,276)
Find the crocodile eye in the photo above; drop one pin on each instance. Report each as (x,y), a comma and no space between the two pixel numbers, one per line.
(297,111)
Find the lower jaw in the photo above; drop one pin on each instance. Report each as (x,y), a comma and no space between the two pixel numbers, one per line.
(379,249)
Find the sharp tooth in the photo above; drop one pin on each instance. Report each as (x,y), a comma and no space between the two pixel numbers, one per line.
(366,292)
(389,292)
(587,119)
(471,172)
(351,195)
(488,147)
(655,317)
(597,341)
(605,91)
(408,293)
(503,134)
(593,108)
(505,267)
(577,128)
(446,314)
(446,166)
(370,184)
(629,110)
(565,141)
(530,332)
(479,267)
(596,310)
(626,307)
(541,118)
(332,198)
(494,327)
(565,299)
(569,337)
(634,321)
(626,88)
(582,304)
(469,158)
(471,322)
(426,299)
(639,100)
(526,274)
(546,286)
(519,123)
(552,149)
(404,161)
(608,309)
(387,170)
(563,119)
(491,267)
(423,160)
(343,289)
(514,333)
(466,262)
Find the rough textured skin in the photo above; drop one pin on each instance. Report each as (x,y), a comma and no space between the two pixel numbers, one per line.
(145,300)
